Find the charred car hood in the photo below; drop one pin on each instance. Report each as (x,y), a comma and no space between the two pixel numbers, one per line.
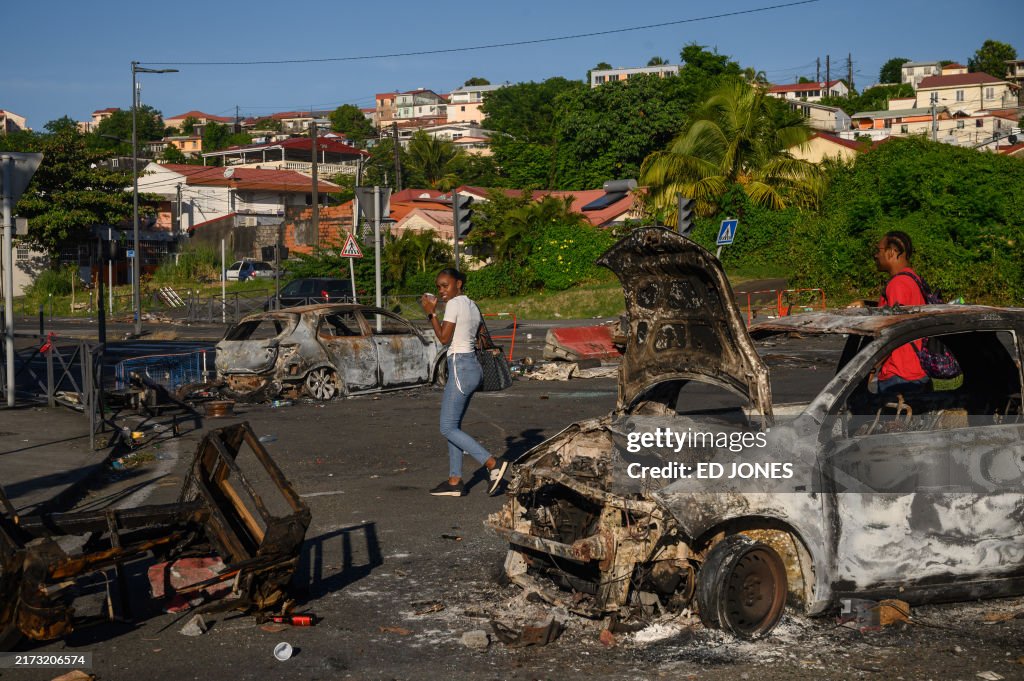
(683,320)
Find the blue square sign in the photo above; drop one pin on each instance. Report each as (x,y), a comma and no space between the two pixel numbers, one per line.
(727,232)
(131,253)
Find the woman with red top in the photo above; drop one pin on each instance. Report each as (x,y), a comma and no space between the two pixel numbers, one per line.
(901,371)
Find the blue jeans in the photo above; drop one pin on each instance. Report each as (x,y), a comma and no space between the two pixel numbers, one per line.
(464,376)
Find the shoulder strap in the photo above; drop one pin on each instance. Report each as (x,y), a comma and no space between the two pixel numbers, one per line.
(926,291)
(483,335)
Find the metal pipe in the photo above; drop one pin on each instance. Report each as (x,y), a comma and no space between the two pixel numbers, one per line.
(8,264)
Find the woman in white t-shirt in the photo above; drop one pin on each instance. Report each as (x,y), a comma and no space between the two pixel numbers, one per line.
(458,331)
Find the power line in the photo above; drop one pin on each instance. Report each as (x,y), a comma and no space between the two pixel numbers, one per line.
(518,43)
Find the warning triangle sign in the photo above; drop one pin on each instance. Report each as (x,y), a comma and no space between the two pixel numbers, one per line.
(351,249)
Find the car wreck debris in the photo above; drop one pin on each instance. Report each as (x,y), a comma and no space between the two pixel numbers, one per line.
(252,520)
(931,510)
(325,351)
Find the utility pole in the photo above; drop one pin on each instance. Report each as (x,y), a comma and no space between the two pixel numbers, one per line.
(316,196)
(935,120)
(828,69)
(177,213)
(849,71)
(817,69)
(398,161)
(238,121)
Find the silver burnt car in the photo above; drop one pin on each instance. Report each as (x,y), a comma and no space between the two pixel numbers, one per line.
(326,350)
(918,497)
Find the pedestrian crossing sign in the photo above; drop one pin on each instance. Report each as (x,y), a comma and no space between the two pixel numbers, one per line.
(351,249)
(727,232)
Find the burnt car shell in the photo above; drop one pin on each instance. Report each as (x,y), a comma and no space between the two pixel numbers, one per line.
(325,350)
(585,535)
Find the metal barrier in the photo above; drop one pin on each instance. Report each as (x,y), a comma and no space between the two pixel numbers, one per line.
(171,371)
(784,302)
(509,337)
(71,377)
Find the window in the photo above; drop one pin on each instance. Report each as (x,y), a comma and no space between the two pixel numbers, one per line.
(979,123)
(904,129)
(259,329)
(339,324)
(462,108)
(959,95)
(23,254)
(959,125)
(384,324)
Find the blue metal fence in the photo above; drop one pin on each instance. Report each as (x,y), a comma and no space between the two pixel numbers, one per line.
(171,371)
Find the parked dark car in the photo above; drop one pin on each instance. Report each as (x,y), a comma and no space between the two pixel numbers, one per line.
(915,496)
(313,291)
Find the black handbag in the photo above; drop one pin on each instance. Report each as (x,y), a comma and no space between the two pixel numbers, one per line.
(494,368)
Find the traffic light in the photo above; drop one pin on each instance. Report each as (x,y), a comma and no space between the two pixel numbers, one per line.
(462,214)
(684,222)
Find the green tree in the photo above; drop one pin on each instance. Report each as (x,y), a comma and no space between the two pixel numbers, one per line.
(71,192)
(873,99)
(350,121)
(711,63)
(432,159)
(149,127)
(991,58)
(271,124)
(738,137)
(656,61)
(891,71)
(215,136)
(476,80)
(172,154)
(188,126)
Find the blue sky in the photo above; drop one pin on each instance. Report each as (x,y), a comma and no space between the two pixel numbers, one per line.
(74,59)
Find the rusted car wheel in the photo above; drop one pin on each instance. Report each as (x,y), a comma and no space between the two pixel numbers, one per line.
(321,384)
(741,588)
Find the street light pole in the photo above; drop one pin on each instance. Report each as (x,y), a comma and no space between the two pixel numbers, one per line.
(136,268)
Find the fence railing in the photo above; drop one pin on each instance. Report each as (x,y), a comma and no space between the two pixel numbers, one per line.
(69,374)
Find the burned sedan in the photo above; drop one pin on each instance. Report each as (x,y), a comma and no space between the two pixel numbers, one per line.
(326,350)
(672,502)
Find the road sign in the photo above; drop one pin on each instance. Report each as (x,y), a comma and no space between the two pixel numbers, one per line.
(366,204)
(130,253)
(727,232)
(351,249)
(22,167)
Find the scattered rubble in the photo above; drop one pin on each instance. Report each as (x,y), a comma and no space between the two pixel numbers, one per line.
(476,639)
(196,626)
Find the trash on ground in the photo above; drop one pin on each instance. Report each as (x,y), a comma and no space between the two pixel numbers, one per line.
(283,651)
(535,633)
(476,639)
(401,631)
(196,626)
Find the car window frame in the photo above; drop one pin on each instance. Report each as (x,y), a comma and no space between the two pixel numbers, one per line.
(368,312)
(360,322)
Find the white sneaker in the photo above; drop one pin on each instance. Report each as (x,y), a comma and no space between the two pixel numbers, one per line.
(497,473)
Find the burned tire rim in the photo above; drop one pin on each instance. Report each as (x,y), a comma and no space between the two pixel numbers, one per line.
(742,587)
(321,384)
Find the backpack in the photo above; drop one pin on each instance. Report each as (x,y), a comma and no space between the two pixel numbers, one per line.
(936,359)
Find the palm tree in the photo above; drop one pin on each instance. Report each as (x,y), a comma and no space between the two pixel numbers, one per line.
(433,157)
(735,137)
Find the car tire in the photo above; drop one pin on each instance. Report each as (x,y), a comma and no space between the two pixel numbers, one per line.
(741,587)
(322,384)
(440,378)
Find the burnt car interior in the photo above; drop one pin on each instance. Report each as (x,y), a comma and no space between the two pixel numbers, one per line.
(990,387)
(256,329)
(340,324)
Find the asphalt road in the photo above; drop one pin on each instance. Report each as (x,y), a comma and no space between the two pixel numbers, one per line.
(397,576)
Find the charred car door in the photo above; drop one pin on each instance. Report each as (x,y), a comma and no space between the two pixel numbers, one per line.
(928,489)
(403,354)
(351,350)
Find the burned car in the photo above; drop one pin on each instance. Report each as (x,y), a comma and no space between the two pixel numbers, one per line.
(840,493)
(324,351)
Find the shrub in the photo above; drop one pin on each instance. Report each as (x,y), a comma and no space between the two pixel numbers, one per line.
(52,282)
(194,264)
(563,256)
(499,280)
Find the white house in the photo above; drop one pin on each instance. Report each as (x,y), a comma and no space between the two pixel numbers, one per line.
(912,72)
(203,194)
(809,92)
(602,76)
